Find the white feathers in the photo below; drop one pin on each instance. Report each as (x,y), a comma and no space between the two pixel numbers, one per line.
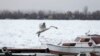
(43,28)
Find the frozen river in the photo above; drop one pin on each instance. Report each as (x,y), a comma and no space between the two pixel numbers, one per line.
(22,33)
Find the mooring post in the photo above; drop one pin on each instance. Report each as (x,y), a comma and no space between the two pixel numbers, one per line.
(6,51)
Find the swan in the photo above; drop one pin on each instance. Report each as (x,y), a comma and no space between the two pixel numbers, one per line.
(43,28)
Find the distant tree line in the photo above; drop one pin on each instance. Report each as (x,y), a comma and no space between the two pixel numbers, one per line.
(50,15)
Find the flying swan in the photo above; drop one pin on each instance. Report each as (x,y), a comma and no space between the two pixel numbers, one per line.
(43,28)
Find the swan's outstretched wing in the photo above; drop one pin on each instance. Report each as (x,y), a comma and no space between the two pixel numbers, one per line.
(42,26)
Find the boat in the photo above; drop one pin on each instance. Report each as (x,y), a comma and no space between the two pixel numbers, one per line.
(85,45)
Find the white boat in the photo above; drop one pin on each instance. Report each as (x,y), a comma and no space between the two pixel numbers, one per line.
(83,44)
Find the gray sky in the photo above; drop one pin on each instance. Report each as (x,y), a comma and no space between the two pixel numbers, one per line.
(54,5)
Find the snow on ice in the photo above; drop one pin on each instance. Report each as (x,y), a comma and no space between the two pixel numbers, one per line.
(22,33)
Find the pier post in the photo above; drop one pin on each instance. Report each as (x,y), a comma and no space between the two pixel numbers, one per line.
(6,51)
